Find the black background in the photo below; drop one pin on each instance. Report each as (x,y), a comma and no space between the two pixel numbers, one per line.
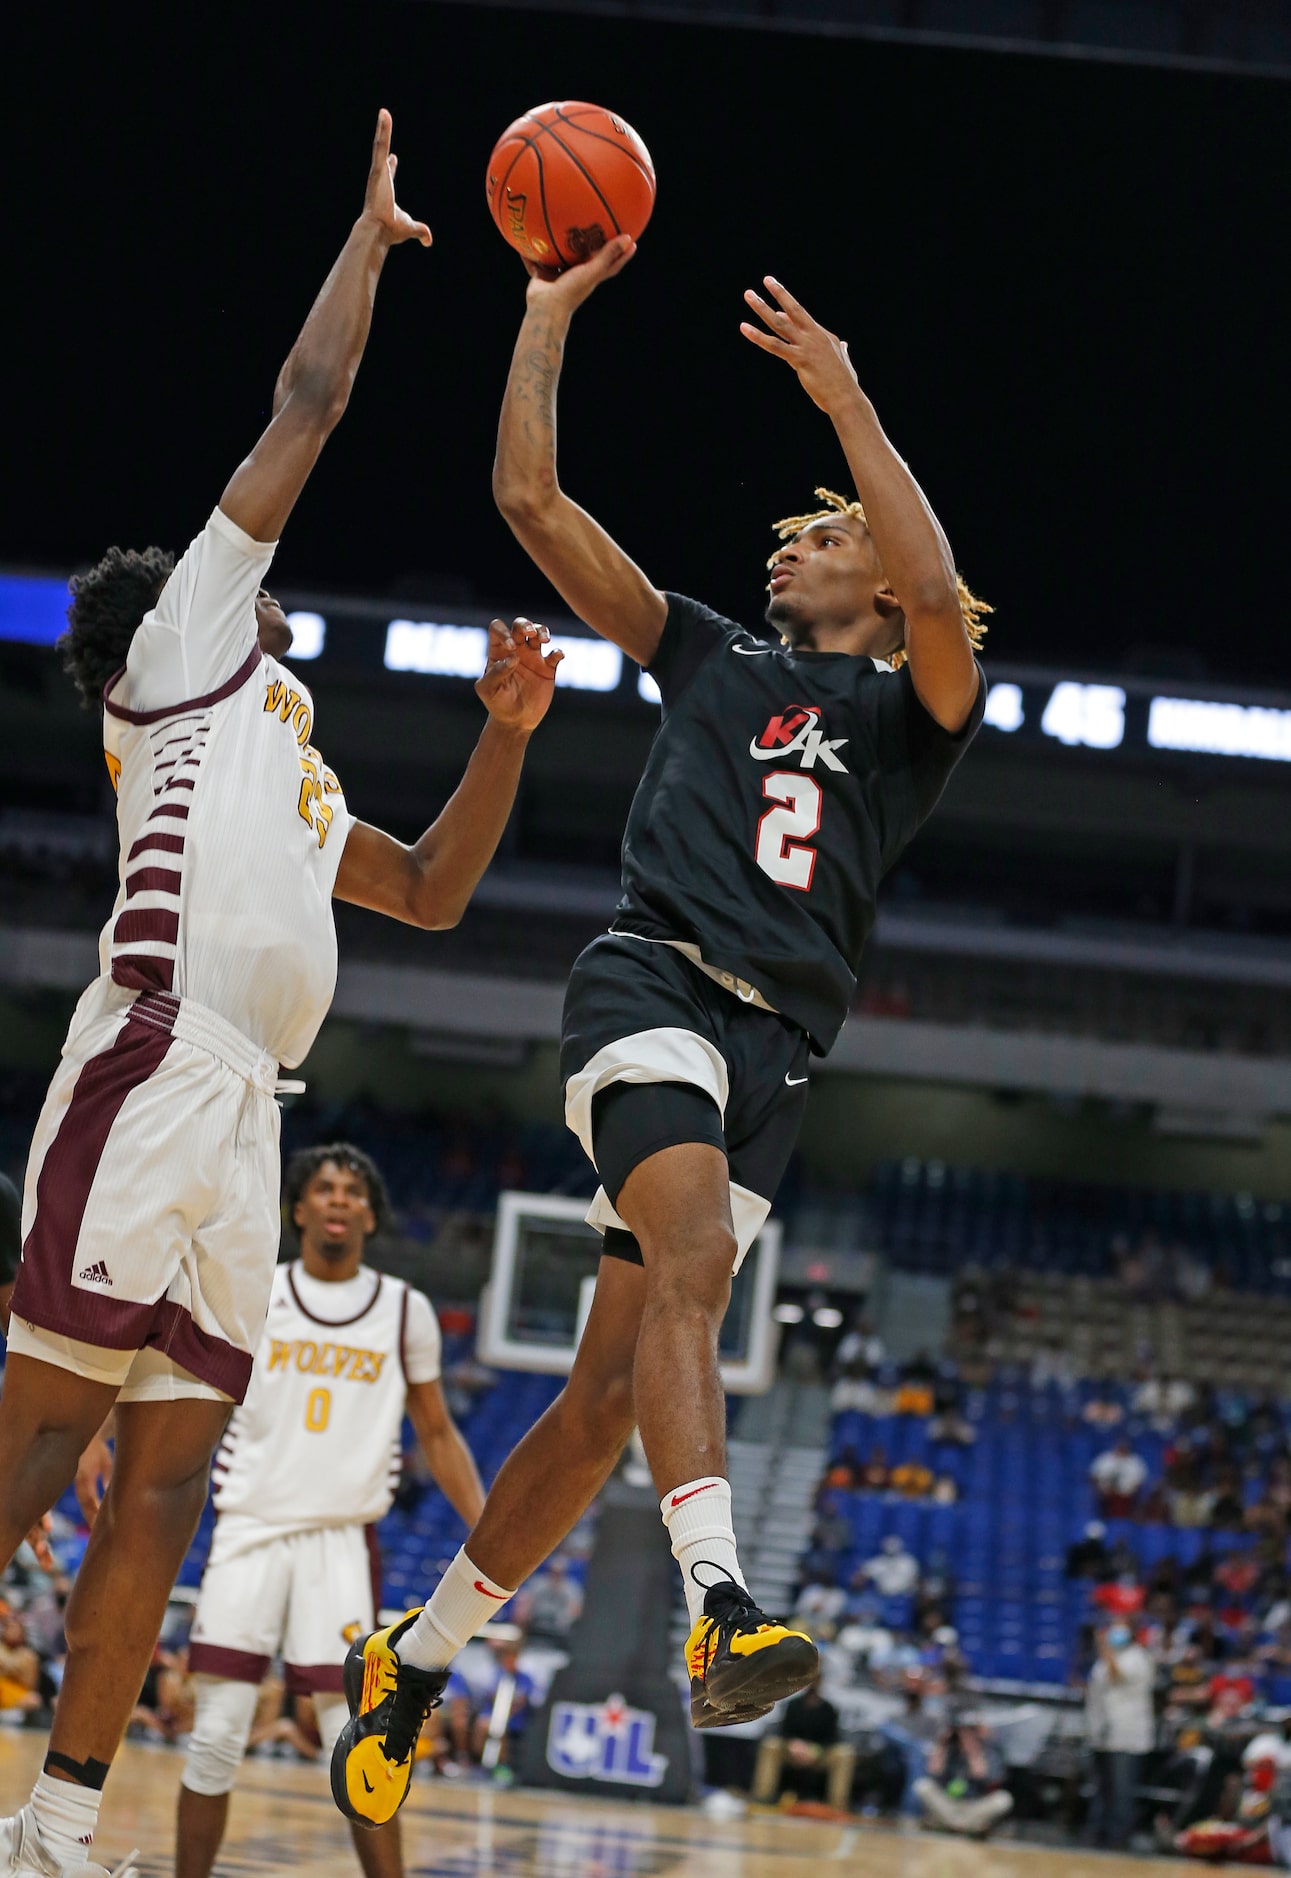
(1058,280)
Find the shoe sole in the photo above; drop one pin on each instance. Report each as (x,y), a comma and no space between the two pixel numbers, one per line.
(796,1662)
(350,1737)
(349,1743)
(706,1714)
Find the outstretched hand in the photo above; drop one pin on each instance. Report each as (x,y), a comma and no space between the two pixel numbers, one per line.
(520,676)
(378,201)
(565,289)
(820,358)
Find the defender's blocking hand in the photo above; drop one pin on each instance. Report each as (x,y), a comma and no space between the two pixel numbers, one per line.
(520,676)
(819,357)
(378,202)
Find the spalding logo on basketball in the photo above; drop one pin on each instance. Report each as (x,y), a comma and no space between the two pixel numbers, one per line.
(566,178)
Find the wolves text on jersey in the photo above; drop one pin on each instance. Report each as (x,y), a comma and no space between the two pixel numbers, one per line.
(317,780)
(326,1359)
(797,730)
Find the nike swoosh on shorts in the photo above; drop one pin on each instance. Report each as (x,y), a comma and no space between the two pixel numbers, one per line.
(793,1081)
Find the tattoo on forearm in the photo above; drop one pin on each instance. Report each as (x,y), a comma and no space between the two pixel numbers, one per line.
(536,385)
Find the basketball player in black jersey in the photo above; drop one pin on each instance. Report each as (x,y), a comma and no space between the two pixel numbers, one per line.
(783,784)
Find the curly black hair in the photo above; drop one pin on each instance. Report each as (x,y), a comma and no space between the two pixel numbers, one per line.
(106,607)
(303,1165)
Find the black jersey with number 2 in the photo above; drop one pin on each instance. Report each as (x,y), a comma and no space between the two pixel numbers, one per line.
(780,789)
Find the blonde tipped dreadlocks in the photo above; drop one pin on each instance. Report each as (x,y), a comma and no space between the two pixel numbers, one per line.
(970,606)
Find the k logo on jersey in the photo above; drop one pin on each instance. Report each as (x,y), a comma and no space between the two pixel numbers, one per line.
(797,730)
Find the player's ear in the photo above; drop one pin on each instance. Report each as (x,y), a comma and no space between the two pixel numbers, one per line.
(886,604)
(298,1215)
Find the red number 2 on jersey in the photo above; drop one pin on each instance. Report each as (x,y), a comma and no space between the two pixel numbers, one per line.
(783,847)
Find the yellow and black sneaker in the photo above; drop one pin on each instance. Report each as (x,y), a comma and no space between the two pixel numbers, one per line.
(389,1701)
(740,1661)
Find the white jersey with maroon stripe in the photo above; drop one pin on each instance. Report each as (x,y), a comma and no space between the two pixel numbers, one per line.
(317,1440)
(231,825)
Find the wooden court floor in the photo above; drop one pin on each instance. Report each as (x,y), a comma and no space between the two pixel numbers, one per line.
(283,1821)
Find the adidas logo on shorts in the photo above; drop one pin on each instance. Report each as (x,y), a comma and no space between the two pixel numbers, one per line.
(96,1274)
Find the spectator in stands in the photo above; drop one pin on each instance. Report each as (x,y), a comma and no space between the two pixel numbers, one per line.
(864,1636)
(945,1490)
(1118,1474)
(808,1748)
(1188,1498)
(893,1571)
(875,1472)
(1119,1729)
(961,1789)
(861,1344)
(19,1666)
(1228,1511)
(1162,1399)
(820,1603)
(1188,1688)
(1274,1649)
(1231,1692)
(1052,1364)
(840,1476)
(501,1675)
(1102,1409)
(914,1394)
(1089,1557)
(1121,1596)
(936,1583)
(949,1423)
(549,1605)
(833,1531)
(1237,1576)
(912,1480)
(855,1388)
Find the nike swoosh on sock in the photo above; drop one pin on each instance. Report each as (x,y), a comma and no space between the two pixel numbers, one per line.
(679,1498)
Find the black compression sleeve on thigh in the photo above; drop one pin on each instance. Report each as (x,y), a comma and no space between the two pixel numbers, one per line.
(633,1120)
(621,1245)
(87,1773)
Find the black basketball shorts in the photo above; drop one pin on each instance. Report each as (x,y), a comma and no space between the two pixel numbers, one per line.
(655,1053)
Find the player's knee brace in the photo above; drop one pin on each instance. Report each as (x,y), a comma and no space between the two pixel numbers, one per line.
(225,1711)
(331,1712)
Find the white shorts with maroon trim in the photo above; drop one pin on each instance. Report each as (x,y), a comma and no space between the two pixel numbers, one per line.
(304,1595)
(150,1217)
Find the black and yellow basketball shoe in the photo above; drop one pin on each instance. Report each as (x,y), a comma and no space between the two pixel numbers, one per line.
(389,1701)
(740,1661)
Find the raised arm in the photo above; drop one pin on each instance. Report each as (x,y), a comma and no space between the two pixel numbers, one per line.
(314,384)
(430,883)
(911,544)
(585,566)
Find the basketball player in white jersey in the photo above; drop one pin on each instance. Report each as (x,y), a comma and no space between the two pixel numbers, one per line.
(150,1216)
(307,1468)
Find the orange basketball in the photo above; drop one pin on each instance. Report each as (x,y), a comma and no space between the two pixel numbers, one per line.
(566,178)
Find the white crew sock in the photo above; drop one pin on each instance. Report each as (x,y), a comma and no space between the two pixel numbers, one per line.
(66,1814)
(698,1518)
(464,1601)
